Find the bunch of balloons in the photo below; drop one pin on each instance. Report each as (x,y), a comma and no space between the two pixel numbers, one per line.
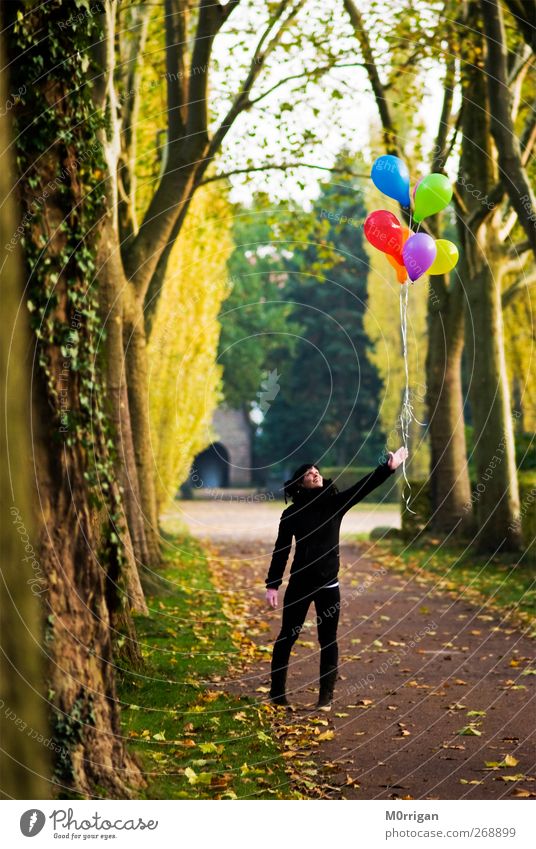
(410,254)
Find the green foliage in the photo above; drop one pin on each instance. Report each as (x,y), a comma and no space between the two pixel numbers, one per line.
(67,733)
(501,584)
(256,331)
(196,742)
(327,407)
(61,163)
(345,476)
(185,377)
(420,503)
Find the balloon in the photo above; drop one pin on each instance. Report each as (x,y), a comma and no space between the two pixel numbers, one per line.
(433,194)
(418,253)
(391,176)
(416,186)
(401,273)
(384,231)
(447,257)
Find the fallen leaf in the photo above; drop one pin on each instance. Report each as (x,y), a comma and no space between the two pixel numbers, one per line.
(326,735)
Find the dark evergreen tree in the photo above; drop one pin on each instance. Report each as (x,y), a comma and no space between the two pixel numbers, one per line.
(330,392)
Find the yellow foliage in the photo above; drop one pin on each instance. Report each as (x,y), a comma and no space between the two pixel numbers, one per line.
(382,325)
(184,377)
(520,350)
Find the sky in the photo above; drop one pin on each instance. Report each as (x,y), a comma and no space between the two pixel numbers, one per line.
(347,122)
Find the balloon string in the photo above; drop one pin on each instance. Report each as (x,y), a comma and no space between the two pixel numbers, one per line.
(406,414)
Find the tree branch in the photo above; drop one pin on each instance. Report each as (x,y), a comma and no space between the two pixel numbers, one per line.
(176,71)
(285,166)
(523,12)
(440,156)
(390,136)
(212,16)
(513,175)
(517,288)
(316,72)
(174,195)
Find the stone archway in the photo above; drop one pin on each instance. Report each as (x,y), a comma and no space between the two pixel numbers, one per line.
(211,468)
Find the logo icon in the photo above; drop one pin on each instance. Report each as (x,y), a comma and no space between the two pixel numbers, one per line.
(31,822)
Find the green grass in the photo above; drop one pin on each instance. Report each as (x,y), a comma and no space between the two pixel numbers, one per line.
(194,740)
(500,583)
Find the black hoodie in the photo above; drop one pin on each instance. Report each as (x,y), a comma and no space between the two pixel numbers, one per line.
(314,519)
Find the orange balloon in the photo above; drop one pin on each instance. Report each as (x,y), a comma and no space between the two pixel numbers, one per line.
(401,273)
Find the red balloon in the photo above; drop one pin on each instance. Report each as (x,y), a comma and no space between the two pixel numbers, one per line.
(384,231)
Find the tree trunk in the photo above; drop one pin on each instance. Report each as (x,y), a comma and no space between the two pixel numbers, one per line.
(25,761)
(79,553)
(450,489)
(117,295)
(135,347)
(496,499)
(111,284)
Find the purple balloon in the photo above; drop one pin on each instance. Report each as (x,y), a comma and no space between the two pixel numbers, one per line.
(416,186)
(418,254)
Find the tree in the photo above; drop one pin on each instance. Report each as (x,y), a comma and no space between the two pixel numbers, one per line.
(484,264)
(513,174)
(185,377)
(88,592)
(328,404)
(137,257)
(255,319)
(448,471)
(25,762)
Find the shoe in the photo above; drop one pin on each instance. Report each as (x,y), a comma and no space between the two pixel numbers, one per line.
(277,695)
(327,687)
(280,700)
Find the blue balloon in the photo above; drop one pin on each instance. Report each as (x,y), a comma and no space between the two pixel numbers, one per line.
(391,176)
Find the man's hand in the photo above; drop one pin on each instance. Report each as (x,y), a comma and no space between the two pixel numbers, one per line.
(271,598)
(397,458)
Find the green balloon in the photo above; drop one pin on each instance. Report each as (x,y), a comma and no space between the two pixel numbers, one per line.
(433,194)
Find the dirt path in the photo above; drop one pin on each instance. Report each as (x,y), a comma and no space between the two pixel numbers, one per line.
(413,665)
(231,519)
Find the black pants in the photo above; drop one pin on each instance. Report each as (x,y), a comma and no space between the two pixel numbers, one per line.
(295,606)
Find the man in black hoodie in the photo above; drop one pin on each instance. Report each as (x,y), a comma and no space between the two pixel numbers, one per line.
(314,519)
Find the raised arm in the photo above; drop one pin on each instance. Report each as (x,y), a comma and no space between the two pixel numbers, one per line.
(280,553)
(355,493)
